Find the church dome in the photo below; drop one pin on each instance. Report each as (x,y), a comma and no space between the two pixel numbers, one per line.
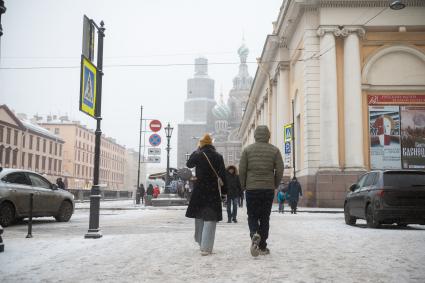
(221,111)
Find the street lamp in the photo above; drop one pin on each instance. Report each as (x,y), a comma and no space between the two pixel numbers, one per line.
(397,5)
(168,133)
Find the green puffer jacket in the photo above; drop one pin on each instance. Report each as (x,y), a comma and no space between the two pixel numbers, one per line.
(261,164)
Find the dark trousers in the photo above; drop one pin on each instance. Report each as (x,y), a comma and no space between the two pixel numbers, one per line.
(231,214)
(294,204)
(259,206)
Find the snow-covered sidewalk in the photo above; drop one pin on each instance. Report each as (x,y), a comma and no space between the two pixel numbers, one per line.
(156,245)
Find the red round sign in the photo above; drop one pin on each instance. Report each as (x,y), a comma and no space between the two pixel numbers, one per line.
(155,125)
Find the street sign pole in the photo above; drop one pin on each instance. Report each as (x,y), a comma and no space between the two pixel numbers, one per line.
(293,138)
(138,164)
(95,194)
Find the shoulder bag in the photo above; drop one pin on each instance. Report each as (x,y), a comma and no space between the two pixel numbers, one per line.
(219,180)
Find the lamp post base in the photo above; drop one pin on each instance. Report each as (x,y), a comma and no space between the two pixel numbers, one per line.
(93,234)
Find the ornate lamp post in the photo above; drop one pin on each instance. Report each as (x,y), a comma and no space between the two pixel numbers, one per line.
(168,133)
(2,11)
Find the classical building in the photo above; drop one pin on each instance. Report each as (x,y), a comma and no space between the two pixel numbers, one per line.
(354,72)
(198,118)
(26,145)
(228,115)
(78,155)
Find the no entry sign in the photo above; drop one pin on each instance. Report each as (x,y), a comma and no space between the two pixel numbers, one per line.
(155,140)
(155,125)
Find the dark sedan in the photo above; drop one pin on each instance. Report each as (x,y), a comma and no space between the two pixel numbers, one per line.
(387,197)
(15,189)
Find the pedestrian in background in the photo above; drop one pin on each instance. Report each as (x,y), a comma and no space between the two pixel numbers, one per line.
(233,193)
(60,183)
(294,193)
(149,194)
(142,192)
(209,187)
(156,191)
(281,200)
(261,169)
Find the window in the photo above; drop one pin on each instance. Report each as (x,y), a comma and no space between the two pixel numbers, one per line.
(1,133)
(37,161)
(51,147)
(56,149)
(43,163)
(29,160)
(44,145)
(55,164)
(50,163)
(15,157)
(22,159)
(78,155)
(60,150)
(370,180)
(56,131)
(7,161)
(31,138)
(15,140)
(8,135)
(38,181)
(38,144)
(362,180)
(60,166)
(23,141)
(17,178)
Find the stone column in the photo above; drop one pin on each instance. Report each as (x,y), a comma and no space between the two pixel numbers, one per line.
(353,99)
(329,157)
(283,102)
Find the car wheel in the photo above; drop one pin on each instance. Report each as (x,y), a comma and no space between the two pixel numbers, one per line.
(65,212)
(370,217)
(7,214)
(349,220)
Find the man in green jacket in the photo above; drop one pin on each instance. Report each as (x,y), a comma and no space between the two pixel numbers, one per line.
(260,172)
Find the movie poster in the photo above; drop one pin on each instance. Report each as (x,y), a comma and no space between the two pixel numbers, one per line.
(413,136)
(384,127)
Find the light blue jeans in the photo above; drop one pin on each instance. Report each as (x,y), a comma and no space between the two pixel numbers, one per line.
(205,234)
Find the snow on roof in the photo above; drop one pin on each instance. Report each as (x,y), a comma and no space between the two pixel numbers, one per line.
(40,130)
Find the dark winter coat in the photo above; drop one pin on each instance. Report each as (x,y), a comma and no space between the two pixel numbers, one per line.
(142,190)
(294,191)
(205,202)
(261,165)
(233,183)
(149,191)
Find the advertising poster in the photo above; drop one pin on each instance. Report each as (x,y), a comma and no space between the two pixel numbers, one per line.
(413,136)
(384,127)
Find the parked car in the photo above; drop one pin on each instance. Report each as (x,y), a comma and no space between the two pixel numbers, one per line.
(387,197)
(15,189)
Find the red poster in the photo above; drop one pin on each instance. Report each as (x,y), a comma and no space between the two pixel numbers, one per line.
(396,99)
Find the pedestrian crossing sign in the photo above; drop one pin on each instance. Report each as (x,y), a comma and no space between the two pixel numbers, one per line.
(88,87)
(288,133)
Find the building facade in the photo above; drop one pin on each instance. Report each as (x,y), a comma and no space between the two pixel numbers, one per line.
(130,172)
(78,155)
(25,145)
(350,76)
(198,118)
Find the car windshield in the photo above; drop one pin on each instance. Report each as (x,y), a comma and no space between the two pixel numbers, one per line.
(404,179)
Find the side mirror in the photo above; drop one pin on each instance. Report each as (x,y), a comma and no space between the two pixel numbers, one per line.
(54,187)
(353,187)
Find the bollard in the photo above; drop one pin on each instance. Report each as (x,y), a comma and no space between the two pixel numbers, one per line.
(30,218)
(1,240)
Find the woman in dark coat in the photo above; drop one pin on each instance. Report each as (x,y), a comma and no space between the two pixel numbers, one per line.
(205,202)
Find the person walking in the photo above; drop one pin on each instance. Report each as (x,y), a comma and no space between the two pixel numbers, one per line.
(281,201)
(149,194)
(156,191)
(260,172)
(294,193)
(233,193)
(60,183)
(209,188)
(142,192)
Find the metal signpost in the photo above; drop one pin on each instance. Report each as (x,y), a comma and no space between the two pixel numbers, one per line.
(90,103)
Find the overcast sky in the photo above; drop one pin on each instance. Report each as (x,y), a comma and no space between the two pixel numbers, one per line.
(40,33)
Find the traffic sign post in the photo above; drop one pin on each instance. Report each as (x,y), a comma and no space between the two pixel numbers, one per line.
(153,159)
(155,126)
(154,151)
(155,140)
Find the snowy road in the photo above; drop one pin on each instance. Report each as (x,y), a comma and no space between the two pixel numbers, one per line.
(156,245)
